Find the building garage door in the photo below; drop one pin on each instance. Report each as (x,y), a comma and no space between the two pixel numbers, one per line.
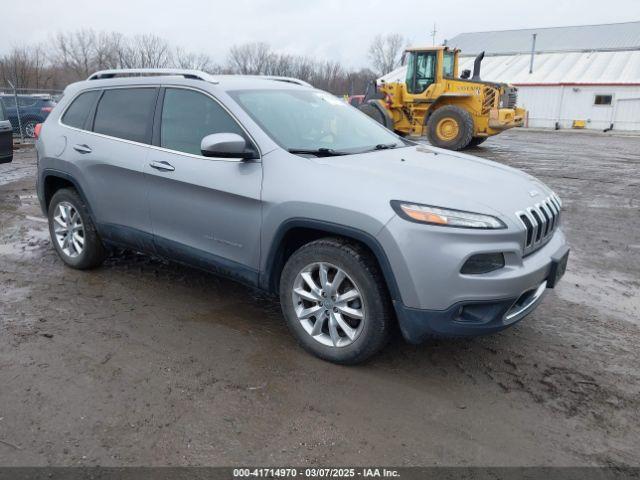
(627,114)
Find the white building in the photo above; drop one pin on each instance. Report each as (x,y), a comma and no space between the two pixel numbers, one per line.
(589,73)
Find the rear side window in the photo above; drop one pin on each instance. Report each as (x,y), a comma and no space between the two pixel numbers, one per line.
(188,117)
(126,113)
(2,114)
(77,113)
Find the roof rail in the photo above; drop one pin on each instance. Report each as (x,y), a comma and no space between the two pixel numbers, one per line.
(295,81)
(191,74)
(135,72)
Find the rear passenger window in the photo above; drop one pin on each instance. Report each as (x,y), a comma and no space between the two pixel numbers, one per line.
(126,113)
(76,115)
(2,114)
(188,117)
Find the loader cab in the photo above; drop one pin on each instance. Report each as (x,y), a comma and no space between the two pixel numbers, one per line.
(426,66)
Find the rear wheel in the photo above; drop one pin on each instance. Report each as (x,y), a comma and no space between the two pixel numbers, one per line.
(29,128)
(450,127)
(335,302)
(73,233)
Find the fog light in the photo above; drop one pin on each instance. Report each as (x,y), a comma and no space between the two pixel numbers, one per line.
(483,263)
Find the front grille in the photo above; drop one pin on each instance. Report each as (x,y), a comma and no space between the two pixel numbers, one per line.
(540,221)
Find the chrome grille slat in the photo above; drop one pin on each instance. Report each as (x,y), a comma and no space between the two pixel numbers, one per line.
(540,222)
(547,213)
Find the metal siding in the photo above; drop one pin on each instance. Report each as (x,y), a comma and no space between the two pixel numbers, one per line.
(617,36)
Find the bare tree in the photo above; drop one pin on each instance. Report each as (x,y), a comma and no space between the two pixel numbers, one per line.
(250,58)
(145,51)
(385,52)
(328,76)
(106,50)
(25,67)
(73,56)
(194,61)
(75,52)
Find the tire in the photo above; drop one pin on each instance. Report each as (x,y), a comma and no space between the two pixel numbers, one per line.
(475,141)
(91,253)
(372,112)
(377,114)
(361,274)
(29,128)
(451,120)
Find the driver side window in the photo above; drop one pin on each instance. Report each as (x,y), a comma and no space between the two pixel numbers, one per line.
(189,116)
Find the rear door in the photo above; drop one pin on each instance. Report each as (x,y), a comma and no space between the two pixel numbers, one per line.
(109,153)
(6,137)
(205,211)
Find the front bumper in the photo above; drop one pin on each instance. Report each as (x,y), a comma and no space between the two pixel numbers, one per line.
(505,118)
(467,319)
(437,300)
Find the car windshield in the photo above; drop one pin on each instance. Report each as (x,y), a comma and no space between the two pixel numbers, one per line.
(312,120)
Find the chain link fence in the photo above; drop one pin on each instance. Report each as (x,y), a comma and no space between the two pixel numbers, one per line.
(26,107)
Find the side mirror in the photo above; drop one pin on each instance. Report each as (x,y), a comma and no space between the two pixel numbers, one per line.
(225,145)
(466,73)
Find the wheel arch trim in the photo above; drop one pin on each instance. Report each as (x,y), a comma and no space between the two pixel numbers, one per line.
(51,172)
(268,277)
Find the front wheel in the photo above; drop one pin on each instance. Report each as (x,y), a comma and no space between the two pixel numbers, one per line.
(450,127)
(335,301)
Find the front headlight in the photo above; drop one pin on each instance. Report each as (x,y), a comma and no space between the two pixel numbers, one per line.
(445,217)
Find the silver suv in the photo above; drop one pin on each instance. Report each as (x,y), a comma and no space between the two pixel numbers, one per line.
(287,188)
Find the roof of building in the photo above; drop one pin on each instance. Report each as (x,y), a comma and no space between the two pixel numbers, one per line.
(596,68)
(580,68)
(585,38)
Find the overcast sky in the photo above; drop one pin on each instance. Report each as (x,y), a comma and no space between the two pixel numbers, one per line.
(324,29)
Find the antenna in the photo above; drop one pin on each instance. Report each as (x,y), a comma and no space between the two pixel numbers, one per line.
(433,34)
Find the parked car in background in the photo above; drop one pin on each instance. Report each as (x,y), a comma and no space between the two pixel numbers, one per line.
(356,100)
(33,109)
(287,188)
(6,136)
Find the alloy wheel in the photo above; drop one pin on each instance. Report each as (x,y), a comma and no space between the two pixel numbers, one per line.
(328,304)
(68,229)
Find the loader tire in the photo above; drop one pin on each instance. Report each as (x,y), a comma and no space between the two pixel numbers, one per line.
(450,127)
(475,141)
(377,114)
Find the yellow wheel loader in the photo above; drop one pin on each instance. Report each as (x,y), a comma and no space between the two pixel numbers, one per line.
(453,112)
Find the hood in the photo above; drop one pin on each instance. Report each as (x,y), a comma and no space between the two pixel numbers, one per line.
(438,177)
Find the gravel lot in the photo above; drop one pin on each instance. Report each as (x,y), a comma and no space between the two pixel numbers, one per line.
(142,362)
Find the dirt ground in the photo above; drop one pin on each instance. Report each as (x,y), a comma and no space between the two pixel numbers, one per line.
(143,362)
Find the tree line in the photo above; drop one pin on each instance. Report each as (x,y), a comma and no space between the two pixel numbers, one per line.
(73,56)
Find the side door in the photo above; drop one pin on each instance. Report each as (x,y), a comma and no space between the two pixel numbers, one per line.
(205,211)
(6,137)
(108,156)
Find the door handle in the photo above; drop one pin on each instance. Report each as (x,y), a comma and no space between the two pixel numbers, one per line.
(162,166)
(82,148)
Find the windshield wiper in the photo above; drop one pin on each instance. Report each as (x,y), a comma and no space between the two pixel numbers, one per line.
(318,152)
(385,146)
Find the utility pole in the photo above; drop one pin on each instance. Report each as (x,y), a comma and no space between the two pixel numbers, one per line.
(433,34)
